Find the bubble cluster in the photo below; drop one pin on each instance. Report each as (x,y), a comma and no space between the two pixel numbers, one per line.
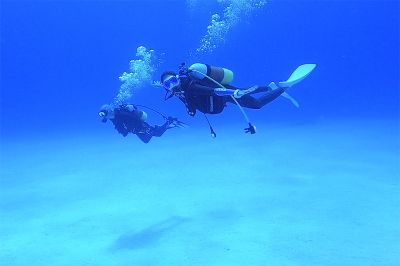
(141,71)
(234,11)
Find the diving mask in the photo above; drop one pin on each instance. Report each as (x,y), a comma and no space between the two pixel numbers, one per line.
(103,116)
(171,83)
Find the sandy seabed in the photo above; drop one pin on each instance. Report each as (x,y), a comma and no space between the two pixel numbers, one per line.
(326,193)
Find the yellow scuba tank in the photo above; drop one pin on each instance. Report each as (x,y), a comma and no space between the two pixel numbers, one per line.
(219,74)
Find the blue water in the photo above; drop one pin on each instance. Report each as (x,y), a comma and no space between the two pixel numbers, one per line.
(316,185)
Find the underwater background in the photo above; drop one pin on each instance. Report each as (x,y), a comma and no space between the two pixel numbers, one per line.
(316,185)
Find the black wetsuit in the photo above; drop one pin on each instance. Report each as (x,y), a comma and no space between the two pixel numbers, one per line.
(199,95)
(126,121)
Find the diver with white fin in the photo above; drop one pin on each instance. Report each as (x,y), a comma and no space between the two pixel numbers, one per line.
(207,89)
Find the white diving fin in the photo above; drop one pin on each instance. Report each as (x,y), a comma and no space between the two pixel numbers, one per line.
(290,98)
(298,75)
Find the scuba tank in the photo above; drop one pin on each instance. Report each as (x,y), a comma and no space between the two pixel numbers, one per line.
(219,74)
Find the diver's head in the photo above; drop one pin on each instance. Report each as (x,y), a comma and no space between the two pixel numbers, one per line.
(170,80)
(106,112)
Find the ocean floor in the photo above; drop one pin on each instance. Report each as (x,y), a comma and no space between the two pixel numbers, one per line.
(323,193)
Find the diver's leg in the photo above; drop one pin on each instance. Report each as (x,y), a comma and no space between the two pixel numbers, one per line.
(159,130)
(257,90)
(148,131)
(270,96)
(262,89)
(145,137)
(145,133)
(252,102)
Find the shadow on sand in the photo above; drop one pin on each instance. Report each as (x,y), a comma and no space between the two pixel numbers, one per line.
(148,236)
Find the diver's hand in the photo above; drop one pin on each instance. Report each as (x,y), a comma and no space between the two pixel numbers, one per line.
(157,83)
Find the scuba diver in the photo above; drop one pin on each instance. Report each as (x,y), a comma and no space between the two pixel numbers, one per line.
(127,118)
(207,89)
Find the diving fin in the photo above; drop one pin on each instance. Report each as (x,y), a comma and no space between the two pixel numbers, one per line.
(298,75)
(273,86)
(290,98)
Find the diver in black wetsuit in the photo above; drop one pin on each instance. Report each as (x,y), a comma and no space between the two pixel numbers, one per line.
(128,118)
(210,98)
(207,89)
